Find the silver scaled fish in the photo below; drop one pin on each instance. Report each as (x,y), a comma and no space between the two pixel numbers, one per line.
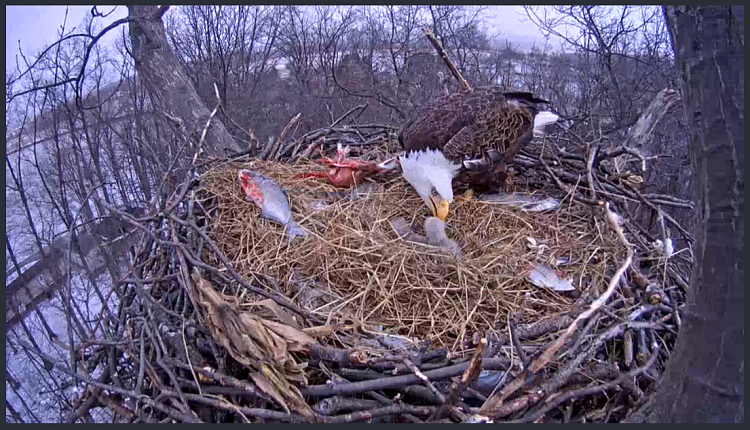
(271,199)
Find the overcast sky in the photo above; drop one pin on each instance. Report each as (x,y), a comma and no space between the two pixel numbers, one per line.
(37,26)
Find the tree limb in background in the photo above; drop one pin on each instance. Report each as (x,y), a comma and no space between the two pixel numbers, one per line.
(444,56)
(162,74)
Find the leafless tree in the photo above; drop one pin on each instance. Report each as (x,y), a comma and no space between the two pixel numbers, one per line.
(232,46)
(623,51)
(94,132)
(614,62)
(706,383)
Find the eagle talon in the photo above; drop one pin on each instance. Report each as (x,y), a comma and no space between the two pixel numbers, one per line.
(510,183)
(468,194)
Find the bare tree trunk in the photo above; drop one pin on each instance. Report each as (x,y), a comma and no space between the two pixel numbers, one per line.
(162,74)
(15,387)
(50,333)
(705,378)
(16,416)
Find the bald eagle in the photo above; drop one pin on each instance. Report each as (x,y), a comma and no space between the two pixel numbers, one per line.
(467,137)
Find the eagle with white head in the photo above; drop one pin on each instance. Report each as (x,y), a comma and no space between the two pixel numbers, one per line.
(467,137)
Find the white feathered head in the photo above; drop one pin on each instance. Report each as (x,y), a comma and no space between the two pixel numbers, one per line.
(431,174)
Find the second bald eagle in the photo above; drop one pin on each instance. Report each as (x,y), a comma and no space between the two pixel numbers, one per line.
(469,137)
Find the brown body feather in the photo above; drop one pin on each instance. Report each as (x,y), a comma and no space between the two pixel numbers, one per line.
(468,125)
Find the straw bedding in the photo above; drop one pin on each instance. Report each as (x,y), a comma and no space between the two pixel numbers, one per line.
(353,267)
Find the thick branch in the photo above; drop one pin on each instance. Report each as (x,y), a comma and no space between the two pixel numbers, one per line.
(446,59)
(706,384)
(399,381)
(641,132)
(162,74)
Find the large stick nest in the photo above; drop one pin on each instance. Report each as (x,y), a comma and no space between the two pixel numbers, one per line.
(225,320)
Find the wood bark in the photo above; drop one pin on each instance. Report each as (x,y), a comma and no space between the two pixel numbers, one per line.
(160,71)
(705,378)
(641,132)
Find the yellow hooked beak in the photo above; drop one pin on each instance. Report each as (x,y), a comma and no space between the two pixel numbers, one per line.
(439,207)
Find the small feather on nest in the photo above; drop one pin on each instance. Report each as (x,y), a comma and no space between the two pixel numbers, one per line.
(545,277)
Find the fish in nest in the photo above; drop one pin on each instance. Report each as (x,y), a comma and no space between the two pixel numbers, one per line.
(271,199)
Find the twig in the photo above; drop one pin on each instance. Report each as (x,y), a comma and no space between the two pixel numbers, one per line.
(628,348)
(187,356)
(312,147)
(399,409)
(515,405)
(199,148)
(352,110)
(242,386)
(470,374)
(539,328)
(513,331)
(548,354)
(334,405)
(444,56)
(250,412)
(593,321)
(376,396)
(560,398)
(569,368)
(272,152)
(593,149)
(425,380)
(399,381)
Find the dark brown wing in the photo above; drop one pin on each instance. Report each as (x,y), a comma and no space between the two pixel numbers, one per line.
(499,129)
(436,124)
(466,125)
(459,146)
